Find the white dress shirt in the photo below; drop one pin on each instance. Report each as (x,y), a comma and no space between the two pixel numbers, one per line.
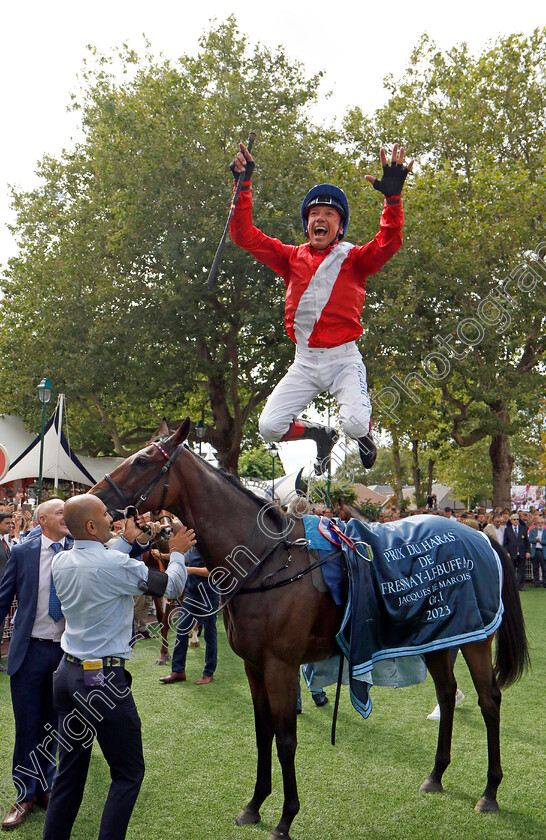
(44,627)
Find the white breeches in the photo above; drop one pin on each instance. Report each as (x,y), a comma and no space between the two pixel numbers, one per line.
(339,370)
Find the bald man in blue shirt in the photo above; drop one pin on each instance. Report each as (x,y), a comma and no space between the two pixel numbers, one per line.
(92,688)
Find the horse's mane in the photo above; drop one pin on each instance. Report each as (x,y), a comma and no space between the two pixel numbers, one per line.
(277,515)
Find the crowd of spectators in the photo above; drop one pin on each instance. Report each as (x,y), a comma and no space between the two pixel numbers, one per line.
(521,532)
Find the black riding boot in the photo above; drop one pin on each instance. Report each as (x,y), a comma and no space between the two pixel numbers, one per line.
(325,438)
(368,452)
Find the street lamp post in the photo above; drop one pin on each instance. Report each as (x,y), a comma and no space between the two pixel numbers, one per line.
(45,390)
(274,453)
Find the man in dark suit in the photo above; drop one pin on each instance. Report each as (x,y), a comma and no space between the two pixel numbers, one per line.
(6,520)
(34,654)
(516,542)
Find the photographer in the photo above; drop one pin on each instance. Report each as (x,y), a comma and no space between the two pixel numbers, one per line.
(96,586)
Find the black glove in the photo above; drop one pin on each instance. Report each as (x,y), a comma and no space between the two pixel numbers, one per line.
(394,175)
(249,169)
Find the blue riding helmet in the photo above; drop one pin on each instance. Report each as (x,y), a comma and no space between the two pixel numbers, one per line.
(326,194)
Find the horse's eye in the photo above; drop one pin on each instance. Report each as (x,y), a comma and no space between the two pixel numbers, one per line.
(141,461)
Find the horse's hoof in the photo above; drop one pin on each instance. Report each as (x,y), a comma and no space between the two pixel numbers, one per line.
(247,817)
(160,662)
(278,835)
(429,786)
(486,806)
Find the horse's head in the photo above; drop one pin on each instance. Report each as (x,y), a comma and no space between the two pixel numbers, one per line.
(143,480)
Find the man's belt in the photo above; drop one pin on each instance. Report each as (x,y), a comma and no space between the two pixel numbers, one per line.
(107,661)
(39,639)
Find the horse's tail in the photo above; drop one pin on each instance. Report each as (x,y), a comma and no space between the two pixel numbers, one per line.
(512,652)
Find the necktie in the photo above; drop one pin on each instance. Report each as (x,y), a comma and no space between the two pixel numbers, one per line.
(54,604)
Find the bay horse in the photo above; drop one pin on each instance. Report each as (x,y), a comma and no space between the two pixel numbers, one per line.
(248,546)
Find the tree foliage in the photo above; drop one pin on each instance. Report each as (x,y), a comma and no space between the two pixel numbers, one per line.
(467,471)
(107,295)
(116,242)
(458,318)
(326,493)
(382,471)
(256,463)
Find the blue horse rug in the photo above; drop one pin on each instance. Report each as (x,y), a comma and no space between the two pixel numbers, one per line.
(416,585)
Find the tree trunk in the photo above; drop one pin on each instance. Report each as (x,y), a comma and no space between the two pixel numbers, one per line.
(416,472)
(397,470)
(431,463)
(225,437)
(501,463)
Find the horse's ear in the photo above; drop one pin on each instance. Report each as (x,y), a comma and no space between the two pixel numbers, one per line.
(163,430)
(182,432)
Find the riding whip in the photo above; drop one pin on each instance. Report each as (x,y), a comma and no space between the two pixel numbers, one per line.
(219,250)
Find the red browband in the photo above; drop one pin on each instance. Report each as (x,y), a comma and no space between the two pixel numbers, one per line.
(158,446)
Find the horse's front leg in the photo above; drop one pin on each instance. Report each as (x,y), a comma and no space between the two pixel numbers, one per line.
(281,680)
(264,738)
(163,611)
(439,666)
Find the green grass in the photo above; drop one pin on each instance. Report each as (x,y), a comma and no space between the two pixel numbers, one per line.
(200,759)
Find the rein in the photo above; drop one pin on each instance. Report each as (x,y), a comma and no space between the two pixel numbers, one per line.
(300,543)
(143,493)
(294,578)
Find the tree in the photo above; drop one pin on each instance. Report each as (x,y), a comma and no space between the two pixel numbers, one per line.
(256,463)
(528,444)
(370,511)
(467,471)
(323,493)
(382,471)
(116,242)
(460,311)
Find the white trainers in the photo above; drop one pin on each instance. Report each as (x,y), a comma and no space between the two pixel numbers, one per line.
(435,714)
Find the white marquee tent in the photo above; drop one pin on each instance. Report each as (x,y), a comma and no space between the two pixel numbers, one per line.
(60,462)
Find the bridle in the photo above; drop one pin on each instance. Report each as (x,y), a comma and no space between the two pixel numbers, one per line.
(129,509)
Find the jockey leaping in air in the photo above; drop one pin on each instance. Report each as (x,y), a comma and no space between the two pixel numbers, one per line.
(325,288)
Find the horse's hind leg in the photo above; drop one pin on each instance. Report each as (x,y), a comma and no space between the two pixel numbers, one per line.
(478,659)
(264,740)
(164,626)
(439,665)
